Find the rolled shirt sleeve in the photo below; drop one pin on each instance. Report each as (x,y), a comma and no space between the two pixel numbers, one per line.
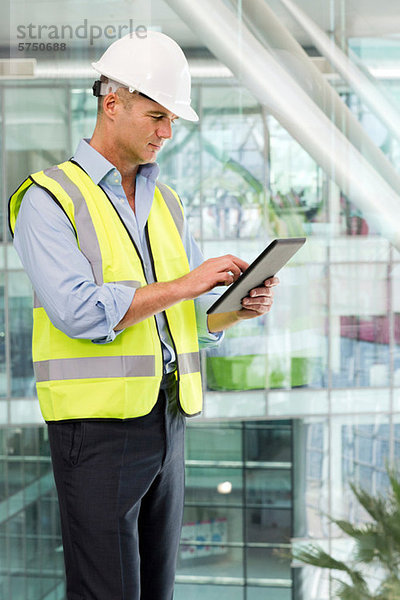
(201,305)
(62,276)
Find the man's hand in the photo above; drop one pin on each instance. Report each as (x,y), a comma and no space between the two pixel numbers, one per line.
(223,270)
(259,301)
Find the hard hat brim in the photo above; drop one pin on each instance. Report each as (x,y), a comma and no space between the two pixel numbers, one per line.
(186,113)
(183,111)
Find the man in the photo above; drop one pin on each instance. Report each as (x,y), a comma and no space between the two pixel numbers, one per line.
(115,339)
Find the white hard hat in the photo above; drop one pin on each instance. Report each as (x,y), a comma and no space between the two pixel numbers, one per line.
(154,65)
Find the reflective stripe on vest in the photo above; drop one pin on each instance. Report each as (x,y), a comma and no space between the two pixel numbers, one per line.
(86,232)
(79,379)
(89,367)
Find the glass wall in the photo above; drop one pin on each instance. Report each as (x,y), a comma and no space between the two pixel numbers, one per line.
(320,374)
(30,543)
(238,510)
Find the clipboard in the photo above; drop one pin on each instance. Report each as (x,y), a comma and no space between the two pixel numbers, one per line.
(266,265)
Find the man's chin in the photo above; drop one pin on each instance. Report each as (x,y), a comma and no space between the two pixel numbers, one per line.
(144,160)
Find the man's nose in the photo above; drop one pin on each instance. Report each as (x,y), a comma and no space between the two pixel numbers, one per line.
(165,129)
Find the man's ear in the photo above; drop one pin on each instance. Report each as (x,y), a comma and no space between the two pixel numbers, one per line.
(110,104)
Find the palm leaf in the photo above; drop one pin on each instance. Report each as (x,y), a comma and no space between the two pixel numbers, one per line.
(352,530)
(395,485)
(346,591)
(376,506)
(376,542)
(316,556)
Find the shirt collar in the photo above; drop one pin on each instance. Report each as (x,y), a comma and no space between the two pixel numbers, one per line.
(97,166)
(150,171)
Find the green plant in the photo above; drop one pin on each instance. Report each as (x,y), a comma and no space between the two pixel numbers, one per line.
(376,544)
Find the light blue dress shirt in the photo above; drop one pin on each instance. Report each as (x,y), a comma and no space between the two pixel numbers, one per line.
(61,275)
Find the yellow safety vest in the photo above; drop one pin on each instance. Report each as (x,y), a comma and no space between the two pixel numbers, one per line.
(77,379)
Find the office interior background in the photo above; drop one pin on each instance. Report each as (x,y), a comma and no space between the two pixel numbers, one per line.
(299,135)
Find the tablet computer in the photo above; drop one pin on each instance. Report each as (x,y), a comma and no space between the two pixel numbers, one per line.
(266,265)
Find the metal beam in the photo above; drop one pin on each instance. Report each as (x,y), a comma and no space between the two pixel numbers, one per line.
(276,38)
(255,67)
(348,68)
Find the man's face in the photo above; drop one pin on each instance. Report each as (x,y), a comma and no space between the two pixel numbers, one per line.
(141,127)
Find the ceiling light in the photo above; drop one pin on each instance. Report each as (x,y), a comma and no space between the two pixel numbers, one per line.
(225,487)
